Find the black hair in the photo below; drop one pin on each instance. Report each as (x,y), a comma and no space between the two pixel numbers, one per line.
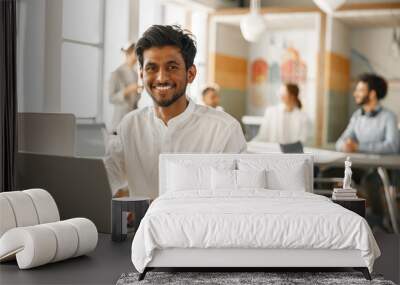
(160,36)
(294,90)
(207,89)
(376,83)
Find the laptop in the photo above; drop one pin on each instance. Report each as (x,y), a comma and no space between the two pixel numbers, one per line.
(296,147)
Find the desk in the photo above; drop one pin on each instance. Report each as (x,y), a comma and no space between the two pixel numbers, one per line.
(355,205)
(325,158)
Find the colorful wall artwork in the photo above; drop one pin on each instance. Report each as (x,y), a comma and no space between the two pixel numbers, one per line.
(282,56)
(259,77)
(293,68)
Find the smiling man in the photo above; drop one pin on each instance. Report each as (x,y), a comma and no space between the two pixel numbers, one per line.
(174,124)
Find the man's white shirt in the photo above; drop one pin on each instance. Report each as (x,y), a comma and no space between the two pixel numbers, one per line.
(132,155)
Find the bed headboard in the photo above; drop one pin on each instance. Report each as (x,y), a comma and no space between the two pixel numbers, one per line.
(270,158)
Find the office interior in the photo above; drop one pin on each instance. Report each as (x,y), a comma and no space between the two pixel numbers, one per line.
(66,51)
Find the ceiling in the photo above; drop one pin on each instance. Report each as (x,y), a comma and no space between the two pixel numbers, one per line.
(276,20)
(351,18)
(370,18)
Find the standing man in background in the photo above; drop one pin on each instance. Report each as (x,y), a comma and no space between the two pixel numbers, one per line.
(124,91)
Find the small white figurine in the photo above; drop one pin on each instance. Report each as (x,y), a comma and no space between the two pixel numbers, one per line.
(347,174)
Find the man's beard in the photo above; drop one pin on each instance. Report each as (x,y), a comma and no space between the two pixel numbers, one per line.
(167,103)
(364,100)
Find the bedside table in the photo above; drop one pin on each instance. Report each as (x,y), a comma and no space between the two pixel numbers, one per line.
(355,205)
(120,209)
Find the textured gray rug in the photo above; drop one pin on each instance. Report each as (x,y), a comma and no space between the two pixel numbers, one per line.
(230,278)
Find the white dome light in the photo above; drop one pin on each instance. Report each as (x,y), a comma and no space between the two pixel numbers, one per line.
(329,6)
(253,24)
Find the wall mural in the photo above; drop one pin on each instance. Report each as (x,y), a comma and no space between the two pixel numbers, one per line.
(259,76)
(293,68)
(282,55)
(287,66)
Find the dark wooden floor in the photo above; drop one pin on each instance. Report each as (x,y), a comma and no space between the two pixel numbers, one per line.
(110,260)
(103,266)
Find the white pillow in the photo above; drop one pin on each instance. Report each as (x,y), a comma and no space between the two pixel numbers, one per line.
(223,179)
(282,174)
(189,175)
(236,179)
(251,178)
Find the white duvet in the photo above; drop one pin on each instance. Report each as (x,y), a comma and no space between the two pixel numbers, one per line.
(250,219)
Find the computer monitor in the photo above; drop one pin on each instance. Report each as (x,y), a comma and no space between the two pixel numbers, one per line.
(296,147)
(47,133)
(79,185)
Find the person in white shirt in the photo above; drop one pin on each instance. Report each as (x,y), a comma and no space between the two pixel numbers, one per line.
(285,123)
(174,124)
(210,96)
(123,86)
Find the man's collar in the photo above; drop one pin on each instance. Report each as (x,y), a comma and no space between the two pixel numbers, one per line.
(182,116)
(372,113)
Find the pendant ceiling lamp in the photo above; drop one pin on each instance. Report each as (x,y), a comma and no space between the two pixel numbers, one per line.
(329,6)
(253,24)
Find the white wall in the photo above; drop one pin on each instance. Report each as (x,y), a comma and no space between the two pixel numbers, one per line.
(150,14)
(116,34)
(369,57)
(31,54)
(337,37)
(39,54)
(52,82)
(230,41)
(82,58)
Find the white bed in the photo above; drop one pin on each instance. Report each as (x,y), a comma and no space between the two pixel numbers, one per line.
(197,224)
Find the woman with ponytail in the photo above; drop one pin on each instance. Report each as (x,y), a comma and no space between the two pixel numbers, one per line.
(286,122)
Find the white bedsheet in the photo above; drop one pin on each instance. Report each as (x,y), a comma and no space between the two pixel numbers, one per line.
(250,219)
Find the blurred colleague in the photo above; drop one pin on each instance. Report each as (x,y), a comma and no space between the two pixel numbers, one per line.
(123,86)
(286,122)
(372,128)
(174,124)
(210,96)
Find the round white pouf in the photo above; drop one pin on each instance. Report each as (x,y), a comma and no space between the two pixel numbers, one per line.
(40,244)
(33,246)
(87,233)
(45,205)
(67,240)
(23,208)
(7,218)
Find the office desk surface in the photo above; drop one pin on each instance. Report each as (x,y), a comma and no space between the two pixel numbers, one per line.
(334,158)
(102,266)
